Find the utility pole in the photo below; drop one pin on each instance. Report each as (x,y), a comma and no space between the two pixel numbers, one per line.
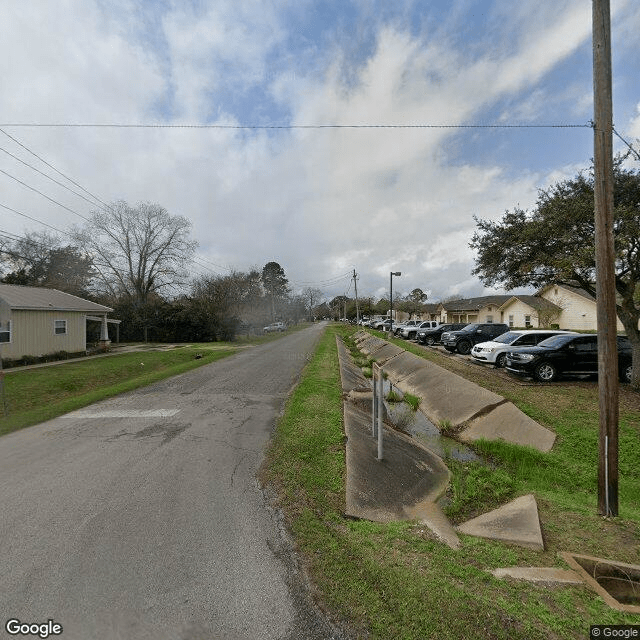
(605,261)
(355,286)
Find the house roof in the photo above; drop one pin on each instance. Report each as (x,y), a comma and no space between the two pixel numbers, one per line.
(475,304)
(577,290)
(41,298)
(535,302)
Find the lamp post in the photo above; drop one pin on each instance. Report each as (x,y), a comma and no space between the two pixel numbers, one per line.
(393,273)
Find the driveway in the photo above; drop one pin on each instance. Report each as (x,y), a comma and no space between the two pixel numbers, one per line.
(140,517)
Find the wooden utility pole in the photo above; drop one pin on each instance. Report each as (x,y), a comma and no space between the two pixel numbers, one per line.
(605,260)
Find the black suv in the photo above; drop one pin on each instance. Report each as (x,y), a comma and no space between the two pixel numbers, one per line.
(462,341)
(431,336)
(577,354)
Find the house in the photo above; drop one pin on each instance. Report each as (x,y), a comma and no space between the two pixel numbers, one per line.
(36,321)
(481,309)
(530,312)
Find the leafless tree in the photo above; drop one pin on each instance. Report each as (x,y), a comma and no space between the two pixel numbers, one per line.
(138,251)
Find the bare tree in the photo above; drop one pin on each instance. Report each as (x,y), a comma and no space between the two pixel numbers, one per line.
(312,298)
(138,251)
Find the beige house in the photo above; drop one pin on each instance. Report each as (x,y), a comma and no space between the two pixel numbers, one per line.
(37,321)
(481,309)
(524,311)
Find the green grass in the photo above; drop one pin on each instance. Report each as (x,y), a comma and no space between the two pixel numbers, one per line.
(41,393)
(395,580)
(412,401)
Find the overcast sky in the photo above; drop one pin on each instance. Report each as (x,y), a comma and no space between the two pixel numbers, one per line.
(320,201)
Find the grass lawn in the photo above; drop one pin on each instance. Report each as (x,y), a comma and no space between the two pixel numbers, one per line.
(395,580)
(41,393)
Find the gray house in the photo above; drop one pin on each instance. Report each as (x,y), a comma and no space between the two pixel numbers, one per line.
(36,321)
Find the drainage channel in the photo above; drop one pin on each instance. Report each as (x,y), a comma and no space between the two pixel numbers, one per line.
(416,424)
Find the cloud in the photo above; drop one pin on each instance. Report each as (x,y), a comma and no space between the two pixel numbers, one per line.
(318,201)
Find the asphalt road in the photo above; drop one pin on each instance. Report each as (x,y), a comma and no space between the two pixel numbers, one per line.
(141,518)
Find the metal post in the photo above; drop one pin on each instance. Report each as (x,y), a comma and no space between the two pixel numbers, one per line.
(374,407)
(380,410)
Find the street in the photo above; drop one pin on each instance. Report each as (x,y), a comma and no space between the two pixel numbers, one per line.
(140,517)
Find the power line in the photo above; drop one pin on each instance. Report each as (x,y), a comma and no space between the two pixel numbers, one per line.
(24,215)
(35,155)
(87,125)
(24,184)
(64,186)
(635,153)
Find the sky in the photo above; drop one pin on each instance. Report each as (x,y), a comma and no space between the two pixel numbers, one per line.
(322,201)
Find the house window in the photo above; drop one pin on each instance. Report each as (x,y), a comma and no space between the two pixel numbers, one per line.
(527,321)
(5,331)
(489,318)
(60,327)
(511,321)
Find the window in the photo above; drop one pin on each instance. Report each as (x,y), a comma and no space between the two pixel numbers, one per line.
(489,319)
(511,321)
(60,327)
(527,321)
(5,331)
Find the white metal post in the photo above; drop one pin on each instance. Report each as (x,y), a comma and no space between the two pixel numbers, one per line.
(380,410)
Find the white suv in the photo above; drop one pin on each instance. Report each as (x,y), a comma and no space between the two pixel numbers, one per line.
(495,351)
(275,326)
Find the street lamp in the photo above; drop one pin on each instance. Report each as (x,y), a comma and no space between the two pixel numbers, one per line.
(393,273)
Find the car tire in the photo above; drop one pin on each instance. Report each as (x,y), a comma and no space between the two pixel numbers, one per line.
(430,340)
(464,347)
(545,372)
(501,360)
(411,335)
(625,372)
(450,349)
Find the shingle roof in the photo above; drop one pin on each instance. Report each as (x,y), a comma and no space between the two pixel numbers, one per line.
(21,297)
(535,302)
(475,304)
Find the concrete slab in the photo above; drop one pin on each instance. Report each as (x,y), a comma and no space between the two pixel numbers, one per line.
(516,522)
(544,575)
(431,515)
(395,488)
(370,344)
(507,422)
(351,375)
(386,352)
(403,365)
(445,395)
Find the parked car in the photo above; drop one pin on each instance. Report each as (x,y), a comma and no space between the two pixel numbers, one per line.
(566,354)
(463,340)
(495,351)
(409,333)
(399,326)
(274,326)
(432,336)
(381,324)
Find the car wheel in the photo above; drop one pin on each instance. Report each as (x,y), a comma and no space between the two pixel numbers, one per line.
(464,347)
(545,372)
(625,373)
(501,360)
(450,349)
(430,341)
(412,335)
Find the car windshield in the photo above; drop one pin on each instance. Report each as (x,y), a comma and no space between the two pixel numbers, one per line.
(556,341)
(507,338)
(470,328)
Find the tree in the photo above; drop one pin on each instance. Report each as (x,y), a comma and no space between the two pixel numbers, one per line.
(312,298)
(275,283)
(555,243)
(138,251)
(40,259)
(414,301)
